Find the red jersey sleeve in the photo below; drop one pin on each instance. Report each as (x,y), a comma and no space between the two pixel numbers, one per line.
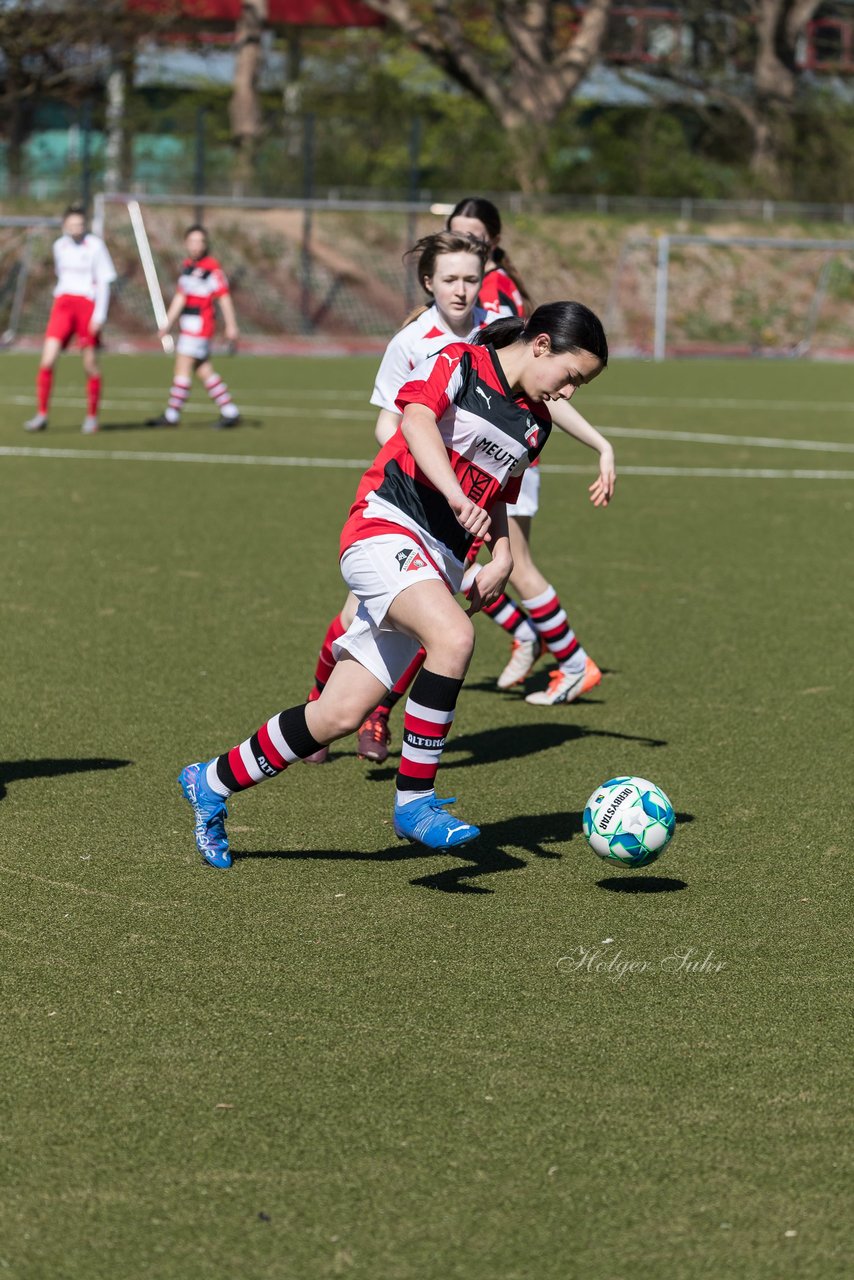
(219,282)
(434,381)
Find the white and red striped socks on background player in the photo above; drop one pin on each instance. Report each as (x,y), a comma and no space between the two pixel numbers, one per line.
(216,389)
(547,615)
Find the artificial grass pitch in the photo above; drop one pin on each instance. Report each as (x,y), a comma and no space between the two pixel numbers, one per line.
(347,1056)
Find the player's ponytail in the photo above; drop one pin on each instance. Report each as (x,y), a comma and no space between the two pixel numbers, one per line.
(486,212)
(569,326)
(501,332)
(427,252)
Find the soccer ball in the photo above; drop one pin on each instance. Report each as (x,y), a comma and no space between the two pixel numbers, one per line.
(629,820)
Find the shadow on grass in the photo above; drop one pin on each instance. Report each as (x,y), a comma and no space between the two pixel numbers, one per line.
(512,742)
(18,770)
(141,425)
(642,884)
(533,834)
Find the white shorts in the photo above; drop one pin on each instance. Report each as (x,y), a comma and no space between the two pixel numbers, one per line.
(529,494)
(189,345)
(377,570)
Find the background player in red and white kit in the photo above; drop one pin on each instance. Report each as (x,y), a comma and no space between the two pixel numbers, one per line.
(503,292)
(201,283)
(84,273)
(474,418)
(541,624)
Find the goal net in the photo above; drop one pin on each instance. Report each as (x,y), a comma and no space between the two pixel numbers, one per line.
(26,277)
(307,274)
(685,295)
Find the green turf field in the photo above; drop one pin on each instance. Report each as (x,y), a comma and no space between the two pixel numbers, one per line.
(345,1057)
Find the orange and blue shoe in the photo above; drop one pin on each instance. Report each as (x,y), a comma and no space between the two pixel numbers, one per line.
(210,811)
(428,822)
(566,686)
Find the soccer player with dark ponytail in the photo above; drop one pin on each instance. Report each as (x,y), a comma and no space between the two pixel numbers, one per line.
(502,292)
(541,624)
(474,418)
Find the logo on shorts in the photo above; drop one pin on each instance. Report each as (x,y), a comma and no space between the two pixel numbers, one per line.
(409,560)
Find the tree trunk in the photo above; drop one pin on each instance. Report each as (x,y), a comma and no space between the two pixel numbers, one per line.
(245,110)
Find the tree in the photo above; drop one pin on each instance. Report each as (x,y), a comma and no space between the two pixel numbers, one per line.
(525,59)
(245,110)
(65,49)
(741,56)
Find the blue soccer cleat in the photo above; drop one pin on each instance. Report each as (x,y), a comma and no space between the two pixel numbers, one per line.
(427,822)
(210,811)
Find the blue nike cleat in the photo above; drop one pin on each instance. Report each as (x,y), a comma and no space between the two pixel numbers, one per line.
(210,811)
(427,822)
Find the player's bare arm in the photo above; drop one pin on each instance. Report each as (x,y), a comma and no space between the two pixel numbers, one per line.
(226,306)
(176,306)
(492,578)
(568,419)
(387,424)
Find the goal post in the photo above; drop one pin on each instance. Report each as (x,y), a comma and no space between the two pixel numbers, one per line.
(683,294)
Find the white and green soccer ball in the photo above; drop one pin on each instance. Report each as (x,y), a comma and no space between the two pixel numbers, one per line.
(629,820)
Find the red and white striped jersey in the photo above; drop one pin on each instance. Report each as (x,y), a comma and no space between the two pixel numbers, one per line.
(423,337)
(491,436)
(499,295)
(201,281)
(84,270)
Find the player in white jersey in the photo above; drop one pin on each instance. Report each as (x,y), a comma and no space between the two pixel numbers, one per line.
(84,271)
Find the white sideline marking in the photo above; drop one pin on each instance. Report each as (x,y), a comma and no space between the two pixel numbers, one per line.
(359,464)
(368,415)
(704,402)
(751,442)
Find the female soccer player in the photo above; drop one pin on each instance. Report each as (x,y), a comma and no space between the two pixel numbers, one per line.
(474,417)
(502,292)
(201,282)
(84,273)
(541,624)
(450,271)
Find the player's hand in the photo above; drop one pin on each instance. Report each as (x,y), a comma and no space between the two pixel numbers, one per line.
(488,584)
(602,489)
(163,330)
(472,517)
(95,327)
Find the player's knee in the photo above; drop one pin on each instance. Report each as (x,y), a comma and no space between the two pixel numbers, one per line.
(456,646)
(338,720)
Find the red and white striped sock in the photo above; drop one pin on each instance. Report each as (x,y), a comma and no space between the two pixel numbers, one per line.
(325,659)
(177,395)
(427,721)
(511,617)
(218,392)
(278,743)
(548,616)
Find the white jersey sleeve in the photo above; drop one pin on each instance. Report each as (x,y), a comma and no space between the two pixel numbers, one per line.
(394,370)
